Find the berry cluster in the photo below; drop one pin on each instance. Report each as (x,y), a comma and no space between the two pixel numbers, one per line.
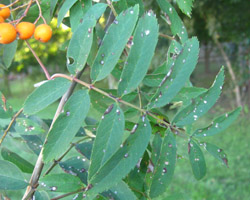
(24,30)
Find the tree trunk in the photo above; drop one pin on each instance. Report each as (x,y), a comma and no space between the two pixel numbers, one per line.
(231,72)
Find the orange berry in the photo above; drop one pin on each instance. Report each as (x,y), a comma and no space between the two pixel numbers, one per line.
(43,33)
(5,12)
(25,30)
(7,33)
(1,19)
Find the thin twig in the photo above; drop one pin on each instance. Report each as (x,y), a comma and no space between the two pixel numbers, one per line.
(39,61)
(40,13)
(112,7)
(24,14)
(10,125)
(7,6)
(68,194)
(63,155)
(21,6)
(166,36)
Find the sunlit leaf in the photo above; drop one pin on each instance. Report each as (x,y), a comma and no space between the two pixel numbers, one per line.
(113,43)
(80,45)
(45,95)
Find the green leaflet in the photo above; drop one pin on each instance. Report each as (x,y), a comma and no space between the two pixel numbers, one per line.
(141,53)
(108,138)
(64,9)
(178,75)
(11,178)
(14,158)
(77,166)
(219,124)
(173,19)
(85,148)
(197,160)
(200,104)
(163,160)
(122,192)
(153,80)
(185,6)
(66,125)
(123,160)
(61,183)
(216,152)
(186,95)
(96,10)
(26,126)
(34,143)
(45,95)
(80,45)
(9,51)
(113,43)
(76,16)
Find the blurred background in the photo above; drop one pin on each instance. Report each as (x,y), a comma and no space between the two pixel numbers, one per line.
(223,29)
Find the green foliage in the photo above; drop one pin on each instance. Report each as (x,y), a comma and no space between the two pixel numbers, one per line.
(11,178)
(80,45)
(113,44)
(51,90)
(197,160)
(140,55)
(21,163)
(61,182)
(116,143)
(67,125)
